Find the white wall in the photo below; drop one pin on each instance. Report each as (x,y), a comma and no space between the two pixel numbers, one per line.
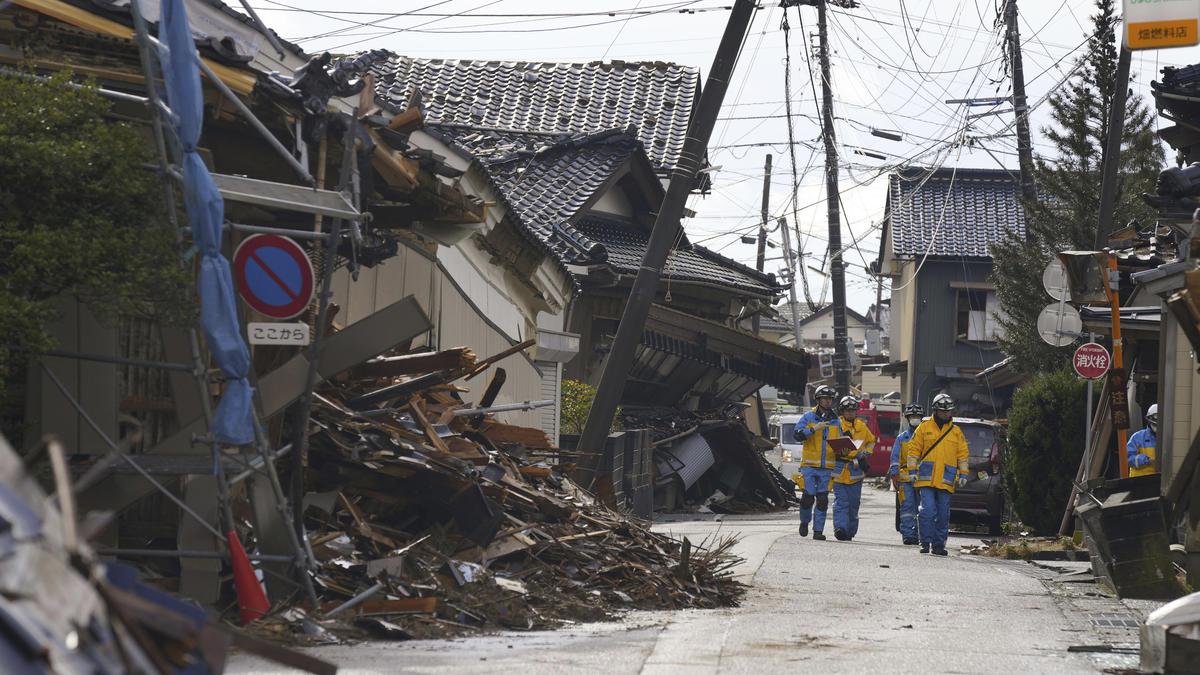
(461,318)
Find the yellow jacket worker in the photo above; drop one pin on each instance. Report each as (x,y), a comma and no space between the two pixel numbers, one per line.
(937,457)
(814,430)
(850,470)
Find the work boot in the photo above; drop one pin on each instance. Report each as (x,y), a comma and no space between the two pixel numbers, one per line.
(924,548)
(803,529)
(911,542)
(817,536)
(941,550)
(841,535)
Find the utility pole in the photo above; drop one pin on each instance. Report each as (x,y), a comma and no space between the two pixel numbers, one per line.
(837,273)
(761,261)
(1111,159)
(1020,105)
(787,254)
(615,371)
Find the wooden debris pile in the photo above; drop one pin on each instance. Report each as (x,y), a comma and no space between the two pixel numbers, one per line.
(427,522)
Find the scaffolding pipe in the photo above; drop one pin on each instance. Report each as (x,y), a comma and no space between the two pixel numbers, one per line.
(164,553)
(281,231)
(118,360)
(114,448)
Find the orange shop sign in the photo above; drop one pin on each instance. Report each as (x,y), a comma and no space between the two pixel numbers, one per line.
(1159,24)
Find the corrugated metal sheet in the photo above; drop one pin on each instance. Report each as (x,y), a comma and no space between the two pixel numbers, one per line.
(551,382)
(690,458)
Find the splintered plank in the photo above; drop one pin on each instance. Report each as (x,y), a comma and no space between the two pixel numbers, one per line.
(460,358)
(373,607)
(499,432)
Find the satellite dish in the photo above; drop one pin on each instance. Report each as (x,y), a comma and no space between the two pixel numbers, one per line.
(1059,324)
(1055,281)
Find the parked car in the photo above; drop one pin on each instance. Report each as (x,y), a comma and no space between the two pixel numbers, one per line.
(981,500)
(787,457)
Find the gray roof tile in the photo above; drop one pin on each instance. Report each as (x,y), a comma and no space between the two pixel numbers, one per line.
(655,98)
(949,212)
(626,245)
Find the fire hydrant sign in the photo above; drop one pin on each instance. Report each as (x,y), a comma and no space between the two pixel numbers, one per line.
(270,333)
(1091,361)
(274,275)
(1157,24)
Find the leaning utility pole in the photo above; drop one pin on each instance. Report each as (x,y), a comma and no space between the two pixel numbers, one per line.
(760,262)
(837,273)
(1020,105)
(1111,159)
(792,270)
(616,367)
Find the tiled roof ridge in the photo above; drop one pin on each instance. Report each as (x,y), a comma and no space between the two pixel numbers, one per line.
(620,63)
(709,254)
(567,142)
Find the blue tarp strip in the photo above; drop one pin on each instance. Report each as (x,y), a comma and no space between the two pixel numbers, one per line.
(233,420)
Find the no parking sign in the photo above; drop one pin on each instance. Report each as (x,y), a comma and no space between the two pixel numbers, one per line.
(274,275)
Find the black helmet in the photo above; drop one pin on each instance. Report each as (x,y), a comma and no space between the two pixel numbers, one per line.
(914,409)
(825,391)
(848,403)
(943,402)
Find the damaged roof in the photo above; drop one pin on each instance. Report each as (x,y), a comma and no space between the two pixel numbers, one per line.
(654,98)
(952,212)
(626,245)
(550,180)
(547,179)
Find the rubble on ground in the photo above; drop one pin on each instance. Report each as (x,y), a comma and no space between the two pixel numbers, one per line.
(458,523)
(65,610)
(710,461)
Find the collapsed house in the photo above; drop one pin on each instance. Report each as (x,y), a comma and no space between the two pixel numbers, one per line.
(454,253)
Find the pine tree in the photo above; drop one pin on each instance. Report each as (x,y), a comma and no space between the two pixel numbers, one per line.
(1065,216)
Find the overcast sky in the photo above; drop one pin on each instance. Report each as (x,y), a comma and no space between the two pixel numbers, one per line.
(894,65)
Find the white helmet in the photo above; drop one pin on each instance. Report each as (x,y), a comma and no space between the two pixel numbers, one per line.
(1152,413)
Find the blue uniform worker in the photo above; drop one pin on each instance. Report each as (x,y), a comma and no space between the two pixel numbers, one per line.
(906,494)
(938,455)
(814,430)
(1141,447)
(850,470)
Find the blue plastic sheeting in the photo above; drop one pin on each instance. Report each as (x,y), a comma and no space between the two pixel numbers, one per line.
(233,420)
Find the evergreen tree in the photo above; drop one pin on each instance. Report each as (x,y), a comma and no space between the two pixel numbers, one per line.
(1065,217)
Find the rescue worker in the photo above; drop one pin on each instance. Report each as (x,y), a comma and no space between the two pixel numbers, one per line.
(814,429)
(906,494)
(1141,445)
(937,457)
(850,470)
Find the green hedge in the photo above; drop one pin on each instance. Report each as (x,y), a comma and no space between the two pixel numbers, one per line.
(1045,443)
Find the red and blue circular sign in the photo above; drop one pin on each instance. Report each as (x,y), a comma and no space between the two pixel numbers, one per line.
(274,275)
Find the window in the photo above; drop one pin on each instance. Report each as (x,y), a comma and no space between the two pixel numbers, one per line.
(975,316)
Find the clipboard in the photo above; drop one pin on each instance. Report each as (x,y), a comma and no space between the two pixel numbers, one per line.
(843,447)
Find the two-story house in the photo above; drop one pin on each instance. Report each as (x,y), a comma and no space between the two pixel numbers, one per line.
(934,247)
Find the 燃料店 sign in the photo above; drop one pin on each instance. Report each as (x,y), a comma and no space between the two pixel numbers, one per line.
(1158,24)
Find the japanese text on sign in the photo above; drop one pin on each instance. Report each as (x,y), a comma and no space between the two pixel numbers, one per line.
(265,333)
(1091,361)
(1157,24)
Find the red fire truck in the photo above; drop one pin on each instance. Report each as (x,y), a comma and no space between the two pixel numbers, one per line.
(883,419)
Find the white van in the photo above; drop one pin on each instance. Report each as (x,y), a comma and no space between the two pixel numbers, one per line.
(786,456)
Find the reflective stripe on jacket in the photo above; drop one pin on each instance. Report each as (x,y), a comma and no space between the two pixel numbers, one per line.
(816,451)
(1141,451)
(900,456)
(847,472)
(941,467)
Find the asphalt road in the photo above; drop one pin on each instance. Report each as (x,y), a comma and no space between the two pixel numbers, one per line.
(871,605)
